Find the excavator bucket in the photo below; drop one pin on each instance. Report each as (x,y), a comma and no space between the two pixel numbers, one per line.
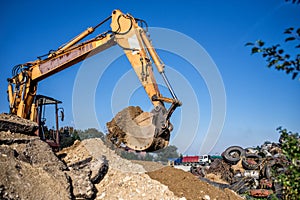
(139,131)
(136,130)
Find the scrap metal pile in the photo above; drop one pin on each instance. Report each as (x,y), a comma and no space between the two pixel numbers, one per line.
(250,171)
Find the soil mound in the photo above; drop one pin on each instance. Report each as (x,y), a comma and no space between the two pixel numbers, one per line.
(184,184)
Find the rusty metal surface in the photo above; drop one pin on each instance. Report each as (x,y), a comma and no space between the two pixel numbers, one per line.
(256,183)
(260,192)
(71,57)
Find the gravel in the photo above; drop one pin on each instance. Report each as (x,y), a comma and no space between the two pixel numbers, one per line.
(124,179)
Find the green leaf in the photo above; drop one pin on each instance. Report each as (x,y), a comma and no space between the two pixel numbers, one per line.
(271,63)
(279,67)
(289,30)
(280,51)
(289,39)
(289,70)
(249,44)
(286,64)
(260,43)
(255,50)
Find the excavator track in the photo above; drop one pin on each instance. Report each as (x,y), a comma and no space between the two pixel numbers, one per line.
(15,124)
(134,129)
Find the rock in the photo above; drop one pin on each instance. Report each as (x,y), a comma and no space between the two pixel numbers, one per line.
(17,124)
(82,185)
(133,186)
(39,154)
(124,179)
(206,197)
(24,175)
(99,169)
(10,138)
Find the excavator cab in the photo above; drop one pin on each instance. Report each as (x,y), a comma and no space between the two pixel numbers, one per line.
(50,135)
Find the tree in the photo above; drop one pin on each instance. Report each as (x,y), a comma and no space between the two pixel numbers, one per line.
(168,152)
(293,1)
(90,133)
(290,179)
(276,56)
(148,157)
(129,155)
(68,135)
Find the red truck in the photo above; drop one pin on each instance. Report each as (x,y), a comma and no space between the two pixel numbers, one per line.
(190,159)
(201,160)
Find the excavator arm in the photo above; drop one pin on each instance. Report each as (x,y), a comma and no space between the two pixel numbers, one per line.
(149,131)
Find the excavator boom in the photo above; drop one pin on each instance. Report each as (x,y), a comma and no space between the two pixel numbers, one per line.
(147,131)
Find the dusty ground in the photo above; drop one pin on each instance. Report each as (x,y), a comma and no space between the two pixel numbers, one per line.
(124,179)
(29,169)
(184,184)
(148,165)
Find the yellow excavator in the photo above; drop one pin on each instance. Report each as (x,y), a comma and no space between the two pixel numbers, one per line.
(148,131)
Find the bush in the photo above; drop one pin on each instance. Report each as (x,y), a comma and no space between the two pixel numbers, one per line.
(290,144)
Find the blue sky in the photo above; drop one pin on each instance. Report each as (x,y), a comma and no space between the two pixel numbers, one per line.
(258,99)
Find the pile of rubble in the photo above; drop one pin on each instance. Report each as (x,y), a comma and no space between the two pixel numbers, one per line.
(123,180)
(90,170)
(87,170)
(249,171)
(16,124)
(30,170)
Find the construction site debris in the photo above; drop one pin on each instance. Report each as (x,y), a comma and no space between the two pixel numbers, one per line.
(8,138)
(260,193)
(184,184)
(149,166)
(233,154)
(83,188)
(221,168)
(32,171)
(126,185)
(124,179)
(17,124)
(247,171)
(89,170)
